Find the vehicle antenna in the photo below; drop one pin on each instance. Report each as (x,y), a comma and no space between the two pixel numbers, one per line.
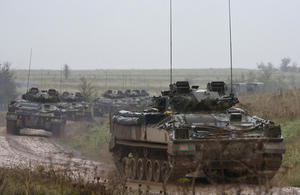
(29,69)
(170,42)
(61,71)
(106,80)
(123,81)
(144,81)
(41,78)
(231,90)
(130,80)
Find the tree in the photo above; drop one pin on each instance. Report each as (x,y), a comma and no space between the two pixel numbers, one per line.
(263,67)
(294,67)
(66,71)
(8,86)
(86,89)
(284,65)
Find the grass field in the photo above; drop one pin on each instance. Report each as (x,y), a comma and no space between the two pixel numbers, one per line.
(151,80)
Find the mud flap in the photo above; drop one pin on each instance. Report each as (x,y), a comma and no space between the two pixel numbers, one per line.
(274,147)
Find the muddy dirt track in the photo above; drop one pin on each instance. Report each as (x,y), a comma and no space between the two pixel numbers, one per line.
(38,148)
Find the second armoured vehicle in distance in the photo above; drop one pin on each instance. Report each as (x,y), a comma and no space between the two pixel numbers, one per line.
(23,114)
(191,129)
(112,102)
(77,108)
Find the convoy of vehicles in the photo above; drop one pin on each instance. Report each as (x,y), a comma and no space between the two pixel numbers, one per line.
(191,129)
(187,129)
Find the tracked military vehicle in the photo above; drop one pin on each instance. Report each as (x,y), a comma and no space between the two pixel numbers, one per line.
(112,102)
(77,108)
(24,114)
(37,110)
(78,111)
(191,129)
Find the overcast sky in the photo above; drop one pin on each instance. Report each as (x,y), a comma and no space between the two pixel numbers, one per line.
(134,34)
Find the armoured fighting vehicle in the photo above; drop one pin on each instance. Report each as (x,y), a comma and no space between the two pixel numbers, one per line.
(67,97)
(76,106)
(112,102)
(37,110)
(191,129)
(104,105)
(78,111)
(23,114)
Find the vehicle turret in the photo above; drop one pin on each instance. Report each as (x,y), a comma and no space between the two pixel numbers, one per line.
(182,98)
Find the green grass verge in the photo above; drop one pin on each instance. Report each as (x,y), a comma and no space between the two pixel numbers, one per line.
(291,159)
(90,138)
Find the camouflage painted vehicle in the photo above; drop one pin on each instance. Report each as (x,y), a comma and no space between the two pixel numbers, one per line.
(106,105)
(190,130)
(77,108)
(79,97)
(23,114)
(78,111)
(37,110)
(114,95)
(112,102)
(137,93)
(67,97)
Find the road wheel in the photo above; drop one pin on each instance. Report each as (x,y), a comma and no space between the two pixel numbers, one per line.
(141,168)
(133,168)
(165,171)
(149,168)
(126,167)
(55,130)
(156,171)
